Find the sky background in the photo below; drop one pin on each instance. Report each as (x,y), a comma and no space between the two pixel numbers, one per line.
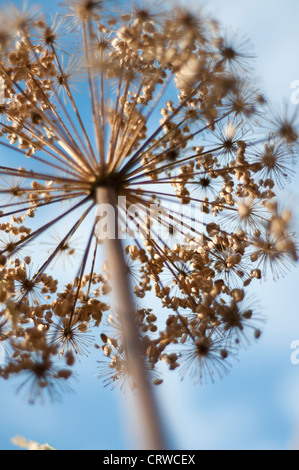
(256,406)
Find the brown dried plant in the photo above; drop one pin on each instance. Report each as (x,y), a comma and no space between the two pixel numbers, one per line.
(158,107)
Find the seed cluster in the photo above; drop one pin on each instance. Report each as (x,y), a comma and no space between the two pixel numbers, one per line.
(160,106)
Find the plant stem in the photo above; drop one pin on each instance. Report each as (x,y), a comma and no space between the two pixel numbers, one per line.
(148,417)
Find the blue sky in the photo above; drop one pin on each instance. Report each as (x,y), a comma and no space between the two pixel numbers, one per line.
(256,406)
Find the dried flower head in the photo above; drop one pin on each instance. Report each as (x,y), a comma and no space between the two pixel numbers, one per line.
(164,117)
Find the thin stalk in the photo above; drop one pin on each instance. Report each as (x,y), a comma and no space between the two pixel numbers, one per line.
(148,417)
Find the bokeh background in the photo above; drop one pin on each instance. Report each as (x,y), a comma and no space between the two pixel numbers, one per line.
(256,406)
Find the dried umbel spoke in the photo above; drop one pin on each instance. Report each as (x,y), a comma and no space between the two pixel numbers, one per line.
(154,112)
